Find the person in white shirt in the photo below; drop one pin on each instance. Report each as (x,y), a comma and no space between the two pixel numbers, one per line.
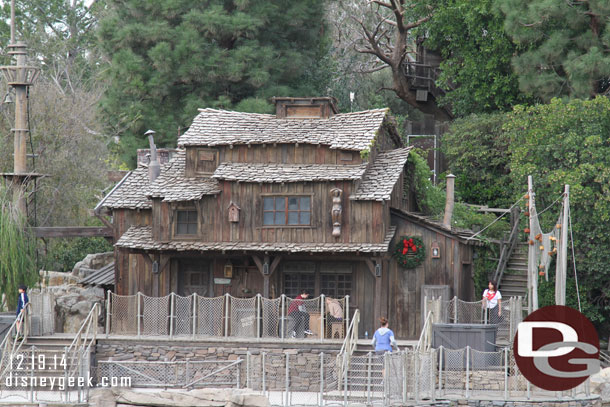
(492,299)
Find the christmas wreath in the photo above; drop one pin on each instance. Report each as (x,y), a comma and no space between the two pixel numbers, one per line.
(410,252)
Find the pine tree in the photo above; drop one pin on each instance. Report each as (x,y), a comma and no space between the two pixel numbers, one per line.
(568,46)
(170,57)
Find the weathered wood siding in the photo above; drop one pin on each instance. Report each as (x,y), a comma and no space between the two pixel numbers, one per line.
(123,219)
(363,221)
(453,268)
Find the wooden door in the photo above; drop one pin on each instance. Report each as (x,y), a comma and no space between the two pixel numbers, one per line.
(194,277)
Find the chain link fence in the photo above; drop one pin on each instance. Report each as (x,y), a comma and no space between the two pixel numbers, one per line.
(174,316)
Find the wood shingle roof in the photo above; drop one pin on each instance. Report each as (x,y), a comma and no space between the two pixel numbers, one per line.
(173,186)
(130,192)
(348,131)
(275,173)
(383,173)
(140,238)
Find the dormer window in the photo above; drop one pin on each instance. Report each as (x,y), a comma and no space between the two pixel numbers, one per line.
(287,211)
(206,160)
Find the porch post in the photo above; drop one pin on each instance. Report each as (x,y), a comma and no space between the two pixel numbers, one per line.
(266,269)
(376,269)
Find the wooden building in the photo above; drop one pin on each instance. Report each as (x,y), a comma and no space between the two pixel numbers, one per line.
(307,198)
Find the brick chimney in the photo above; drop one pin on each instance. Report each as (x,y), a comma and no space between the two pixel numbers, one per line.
(305,108)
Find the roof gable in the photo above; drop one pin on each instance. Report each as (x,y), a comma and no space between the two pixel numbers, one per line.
(173,186)
(381,176)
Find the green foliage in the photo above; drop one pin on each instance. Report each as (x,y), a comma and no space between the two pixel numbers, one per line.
(546,296)
(63,254)
(430,198)
(168,58)
(17,251)
(559,143)
(476,148)
(475,70)
(568,46)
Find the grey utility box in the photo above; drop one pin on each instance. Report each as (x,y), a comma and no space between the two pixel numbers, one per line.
(480,337)
(457,336)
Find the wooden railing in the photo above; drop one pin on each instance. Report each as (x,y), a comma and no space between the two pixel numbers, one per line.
(508,247)
(425,337)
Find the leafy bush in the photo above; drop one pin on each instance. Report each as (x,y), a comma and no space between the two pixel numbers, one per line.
(17,251)
(63,254)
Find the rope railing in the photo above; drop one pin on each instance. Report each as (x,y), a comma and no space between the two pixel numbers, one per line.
(193,316)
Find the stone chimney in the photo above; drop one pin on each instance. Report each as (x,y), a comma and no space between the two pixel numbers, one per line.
(450,201)
(305,108)
(154,168)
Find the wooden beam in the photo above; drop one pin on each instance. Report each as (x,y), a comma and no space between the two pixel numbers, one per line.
(274,264)
(72,231)
(370,266)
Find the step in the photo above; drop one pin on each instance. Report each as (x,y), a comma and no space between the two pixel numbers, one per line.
(514,277)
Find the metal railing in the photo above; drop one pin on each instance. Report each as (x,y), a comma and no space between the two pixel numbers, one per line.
(11,346)
(194,316)
(306,379)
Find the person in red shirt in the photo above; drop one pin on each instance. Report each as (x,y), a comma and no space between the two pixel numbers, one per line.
(299,313)
(493,301)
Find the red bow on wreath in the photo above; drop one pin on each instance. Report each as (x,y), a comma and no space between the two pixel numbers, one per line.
(408,245)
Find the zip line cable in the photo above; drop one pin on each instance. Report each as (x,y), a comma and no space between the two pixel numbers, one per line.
(548,207)
(495,220)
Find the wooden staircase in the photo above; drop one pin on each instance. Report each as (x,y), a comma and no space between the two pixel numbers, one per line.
(514,279)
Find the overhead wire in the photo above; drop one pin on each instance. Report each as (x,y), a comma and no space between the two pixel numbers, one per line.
(495,220)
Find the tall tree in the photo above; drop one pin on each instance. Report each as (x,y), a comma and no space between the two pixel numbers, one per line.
(568,46)
(475,72)
(387,36)
(169,57)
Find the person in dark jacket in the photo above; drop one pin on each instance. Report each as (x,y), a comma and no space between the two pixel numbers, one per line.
(298,311)
(22,300)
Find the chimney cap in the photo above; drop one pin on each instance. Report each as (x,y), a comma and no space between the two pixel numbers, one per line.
(149,132)
(450,176)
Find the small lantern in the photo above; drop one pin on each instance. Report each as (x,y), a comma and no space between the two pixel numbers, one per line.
(228,269)
(378,270)
(233,212)
(435,250)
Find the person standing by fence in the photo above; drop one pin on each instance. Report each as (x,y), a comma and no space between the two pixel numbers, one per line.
(298,312)
(492,300)
(22,300)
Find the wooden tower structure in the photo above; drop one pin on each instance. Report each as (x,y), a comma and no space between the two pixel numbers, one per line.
(19,77)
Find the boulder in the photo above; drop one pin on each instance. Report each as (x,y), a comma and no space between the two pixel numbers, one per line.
(600,383)
(92,262)
(56,278)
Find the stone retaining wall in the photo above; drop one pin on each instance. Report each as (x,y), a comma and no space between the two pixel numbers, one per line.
(589,402)
(303,363)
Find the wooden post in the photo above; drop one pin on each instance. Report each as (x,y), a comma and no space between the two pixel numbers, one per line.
(377,298)
(562,258)
(532,271)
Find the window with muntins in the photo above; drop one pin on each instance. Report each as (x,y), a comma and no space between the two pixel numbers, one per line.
(336,285)
(186,222)
(287,211)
